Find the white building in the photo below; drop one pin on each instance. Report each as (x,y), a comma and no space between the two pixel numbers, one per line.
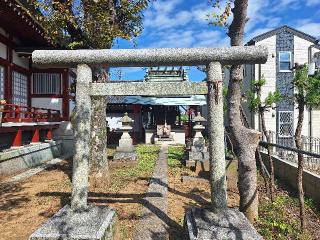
(286,47)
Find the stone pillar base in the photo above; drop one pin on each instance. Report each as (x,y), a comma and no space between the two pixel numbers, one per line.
(224,224)
(97,223)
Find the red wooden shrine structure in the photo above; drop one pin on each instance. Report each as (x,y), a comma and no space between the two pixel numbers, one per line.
(32,100)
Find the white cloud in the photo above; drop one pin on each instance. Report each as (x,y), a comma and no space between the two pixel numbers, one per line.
(313,2)
(257,13)
(281,5)
(200,13)
(257,32)
(165,6)
(178,39)
(307,26)
(162,15)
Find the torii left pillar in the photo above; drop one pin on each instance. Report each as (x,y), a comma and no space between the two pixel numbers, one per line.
(80,221)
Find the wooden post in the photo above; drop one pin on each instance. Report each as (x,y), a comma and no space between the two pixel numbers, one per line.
(35,135)
(49,134)
(17,141)
(65,95)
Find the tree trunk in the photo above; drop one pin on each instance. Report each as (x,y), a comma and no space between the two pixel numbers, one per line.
(246,139)
(246,142)
(268,138)
(298,142)
(99,158)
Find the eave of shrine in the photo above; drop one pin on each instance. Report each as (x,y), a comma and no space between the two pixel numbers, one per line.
(16,18)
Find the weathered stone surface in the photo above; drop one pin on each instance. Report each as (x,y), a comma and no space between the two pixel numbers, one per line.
(125,142)
(198,156)
(132,156)
(16,160)
(216,136)
(148,88)
(151,57)
(199,151)
(231,224)
(82,137)
(96,223)
(125,150)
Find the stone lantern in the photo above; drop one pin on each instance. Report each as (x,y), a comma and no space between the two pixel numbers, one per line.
(125,150)
(198,128)
(199,151)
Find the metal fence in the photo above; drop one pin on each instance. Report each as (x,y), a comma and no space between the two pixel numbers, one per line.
(285,148)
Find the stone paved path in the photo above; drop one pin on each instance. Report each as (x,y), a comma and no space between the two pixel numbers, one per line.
(153,223)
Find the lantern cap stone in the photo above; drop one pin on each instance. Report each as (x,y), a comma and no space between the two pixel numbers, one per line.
(199,118)
(126,119)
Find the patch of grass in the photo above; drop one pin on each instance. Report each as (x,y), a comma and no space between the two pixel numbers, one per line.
(176,159)
(176,156)
(147,156)
(310,203)
(276,219)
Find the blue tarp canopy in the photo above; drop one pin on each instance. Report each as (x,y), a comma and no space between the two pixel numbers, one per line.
(198,100)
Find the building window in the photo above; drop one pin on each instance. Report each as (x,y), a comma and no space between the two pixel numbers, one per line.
(285,61)
(46,83)
(20,89)
(1,82)
(285,123)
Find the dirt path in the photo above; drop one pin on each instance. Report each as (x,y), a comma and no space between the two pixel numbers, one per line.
(154,219)
(26,204)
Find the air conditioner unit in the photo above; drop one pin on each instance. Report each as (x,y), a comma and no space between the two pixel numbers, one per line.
(311,69)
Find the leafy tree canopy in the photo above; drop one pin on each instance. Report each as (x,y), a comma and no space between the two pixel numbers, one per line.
(308,87)
(90,23)
(254,97)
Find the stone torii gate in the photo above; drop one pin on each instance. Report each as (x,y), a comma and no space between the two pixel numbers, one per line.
(213,58)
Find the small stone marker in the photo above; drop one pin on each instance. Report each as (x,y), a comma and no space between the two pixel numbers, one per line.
(125,150)
(222,224)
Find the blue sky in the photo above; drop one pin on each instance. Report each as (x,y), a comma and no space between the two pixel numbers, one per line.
(182,23)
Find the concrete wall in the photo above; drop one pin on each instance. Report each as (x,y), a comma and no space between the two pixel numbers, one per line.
(22,62)
(268,70)
(287,172)
(248,78)
(315,125)
(23,158)
(65,135)
(3,51)
(301,56)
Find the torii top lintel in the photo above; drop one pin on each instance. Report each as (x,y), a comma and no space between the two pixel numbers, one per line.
(151,57)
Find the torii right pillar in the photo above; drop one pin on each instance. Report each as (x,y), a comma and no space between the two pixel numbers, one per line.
(216,137)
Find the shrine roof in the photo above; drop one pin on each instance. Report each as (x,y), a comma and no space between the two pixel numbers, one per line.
(17,18)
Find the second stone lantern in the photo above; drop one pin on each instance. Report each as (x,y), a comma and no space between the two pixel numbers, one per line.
(125,150)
